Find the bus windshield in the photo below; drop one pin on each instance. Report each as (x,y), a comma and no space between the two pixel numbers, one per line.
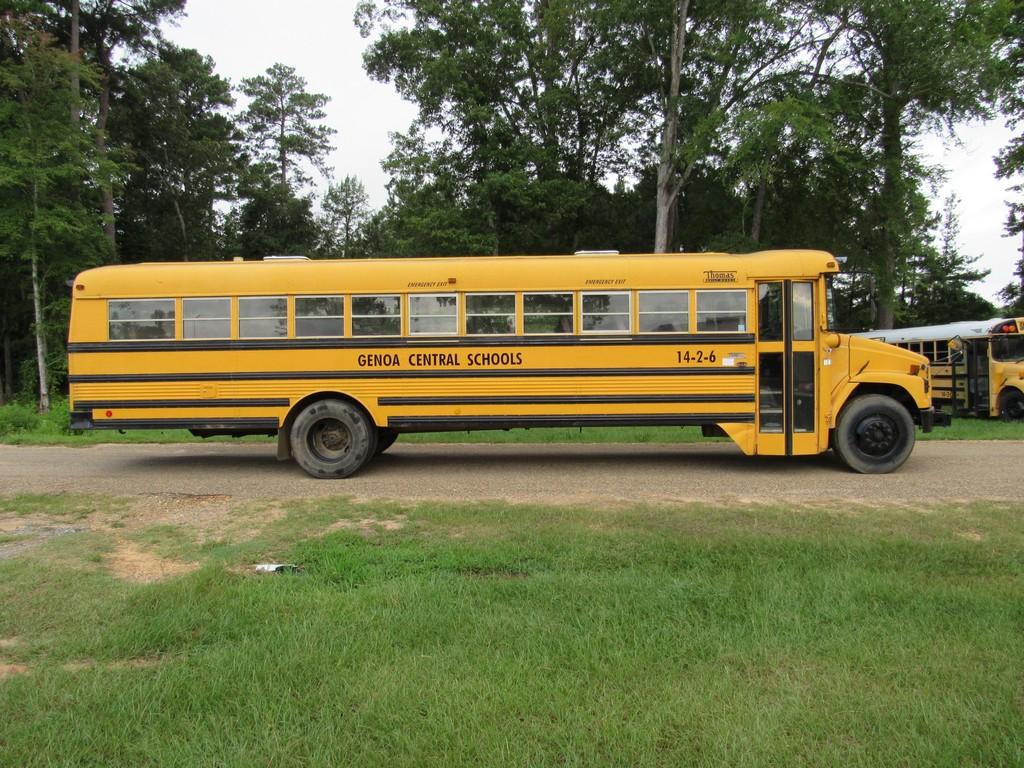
(1008,348)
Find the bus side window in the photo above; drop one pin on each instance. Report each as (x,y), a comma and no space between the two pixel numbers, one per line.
(547,312)
(434,313)
(140,319)
(261,317)
(377,315)
(664,311)
(490,313)
(721,311)
(319,316)
(206,318)
(605,312)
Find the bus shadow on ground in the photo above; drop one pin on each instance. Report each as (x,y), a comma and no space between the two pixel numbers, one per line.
(442,458)
(520,458)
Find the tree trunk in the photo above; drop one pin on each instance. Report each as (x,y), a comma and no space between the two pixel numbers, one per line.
(668,172)
(282,154)
(758,215)
(106,189)
(184,231)
(37,306)
(890,213)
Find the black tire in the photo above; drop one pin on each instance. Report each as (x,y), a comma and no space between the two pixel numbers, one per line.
(874,435)
(385,439)
(1011,405)
(332,438)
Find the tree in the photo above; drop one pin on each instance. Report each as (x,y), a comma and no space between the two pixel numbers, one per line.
(43,155)
(282,124)
(534,105)
(716,59)
(1010,161)
(923,64)
(171,118)
(272,220)
(107,26)
(346,208)
(938,285)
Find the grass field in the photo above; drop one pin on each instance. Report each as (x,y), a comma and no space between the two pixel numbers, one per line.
(471,635)
(19,425)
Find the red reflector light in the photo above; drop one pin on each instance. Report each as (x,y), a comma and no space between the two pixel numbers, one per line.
(109,414)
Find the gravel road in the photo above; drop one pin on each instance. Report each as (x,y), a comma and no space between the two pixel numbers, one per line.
(521,473)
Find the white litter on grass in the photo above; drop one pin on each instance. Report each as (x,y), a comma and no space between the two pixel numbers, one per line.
(276,568)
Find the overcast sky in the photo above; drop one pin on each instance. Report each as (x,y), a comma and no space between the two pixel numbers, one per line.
(317,37)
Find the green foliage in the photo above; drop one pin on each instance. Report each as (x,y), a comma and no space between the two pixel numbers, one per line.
(283,123)
(46,160)
(346,208)
(16,418)
(272,220)
(171,118)
(1010,160)
(534,105)
(939,277)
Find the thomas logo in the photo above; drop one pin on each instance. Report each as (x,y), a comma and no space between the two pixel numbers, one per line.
(714,276)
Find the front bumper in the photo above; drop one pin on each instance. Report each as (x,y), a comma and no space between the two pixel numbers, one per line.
(930,418)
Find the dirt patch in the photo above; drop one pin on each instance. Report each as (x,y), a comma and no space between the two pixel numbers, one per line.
(367,526)
(9,642)
(83,664)
(971,535)
(10,670)
(132,563)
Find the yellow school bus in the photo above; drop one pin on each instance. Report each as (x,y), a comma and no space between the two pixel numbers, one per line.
(337,358)
(977,365)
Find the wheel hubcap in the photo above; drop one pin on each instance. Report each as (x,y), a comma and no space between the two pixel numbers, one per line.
(877,435)
(329,439)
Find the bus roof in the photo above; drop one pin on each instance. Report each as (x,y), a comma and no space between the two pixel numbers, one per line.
(965,330)
(464,273)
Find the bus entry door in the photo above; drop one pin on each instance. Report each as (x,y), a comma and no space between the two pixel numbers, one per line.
(786,368)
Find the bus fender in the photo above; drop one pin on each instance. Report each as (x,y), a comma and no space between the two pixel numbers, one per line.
(907,389)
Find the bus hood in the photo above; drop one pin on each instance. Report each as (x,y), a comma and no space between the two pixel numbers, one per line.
(870,356)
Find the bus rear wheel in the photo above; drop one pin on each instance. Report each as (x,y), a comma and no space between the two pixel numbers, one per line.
(874,435)
(1011,405)
(332,439)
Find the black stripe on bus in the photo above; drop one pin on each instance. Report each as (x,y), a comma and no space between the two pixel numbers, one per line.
(268,402)
(460,423)
(439,342)
(384,373)
(267,424)
(564,399)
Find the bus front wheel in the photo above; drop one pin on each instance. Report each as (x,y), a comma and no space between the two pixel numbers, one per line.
(332,438)
(874,435)
(1011,405)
